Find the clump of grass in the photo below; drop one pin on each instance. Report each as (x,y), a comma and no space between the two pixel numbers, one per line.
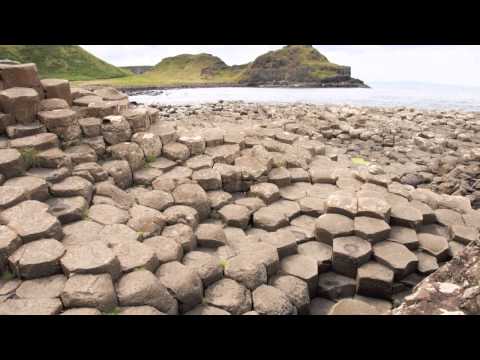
(224,264)
(359,161)
(7,276)
(149,160)
(30,157)
(139,268)
(114,311)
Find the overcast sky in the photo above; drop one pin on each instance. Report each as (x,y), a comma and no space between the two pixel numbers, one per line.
(456,65)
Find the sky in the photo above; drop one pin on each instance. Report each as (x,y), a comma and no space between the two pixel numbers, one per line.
(436,64)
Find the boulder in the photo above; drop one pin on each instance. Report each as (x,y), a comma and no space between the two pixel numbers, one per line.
(12,163)
(229,295)
(247,271)
(207,266)
(268,300)
(21,103)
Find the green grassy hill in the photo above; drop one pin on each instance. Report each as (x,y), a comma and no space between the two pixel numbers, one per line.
(62,61)
(289,66)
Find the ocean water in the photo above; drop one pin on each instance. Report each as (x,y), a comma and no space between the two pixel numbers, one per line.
(411,95)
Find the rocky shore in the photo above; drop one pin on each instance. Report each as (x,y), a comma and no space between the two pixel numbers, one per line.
(230,208)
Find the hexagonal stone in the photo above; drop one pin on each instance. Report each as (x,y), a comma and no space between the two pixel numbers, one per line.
(91,258)
(183,235)
(94,291)
(371,229)
(427,263)
(302,267)
(253,204)
(210,235)
(230,296)
(68,209)
(268,300)
(108,214)
(176,152)
(82,311)
(375,280)
(406,215)
(81,232)
(37,142)
(194,196)
(427,212)
(117,233)
(263,253)
(447,217)
(208,179)
(46,287)
(279,176)
(133,255)
(353,307)
(207,310)
(34,187)
(166,249)
(321,252)
(120,171)
(9,242)
(323,176)
(268,192)
(343,204)
(435,229)
(383,306)
(140,310)
(373,207)
(21,103)
(31,307)
(335,286)
(37,259)
(434,245)
(141,287)
(330,226)
(320,306)
(199,162)
(146,220)
(295,191)
(295,290)
(181,214)
(11,196)
(150,144)
(289,208)
(395,256)
(312,206)
(205,265)
(235,215)
(246,271)
(183,283)
(11,163)
(349,253)
(283,240)
(405,236)
(463,234)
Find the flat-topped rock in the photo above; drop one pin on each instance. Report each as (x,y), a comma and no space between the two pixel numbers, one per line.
(335,286)
(330,226)
(371,229)
(31,221)
(91,291)
(349,253)
(21,103)
(395,256)
(11,163)
(207,266)
(39,142)
(229,295)
(142,288)
(295,289)
(353,307)
(37,259)
(268,300)
(94,257)
(166,249)
(434,245)
(375,280)
(343,204)
(302,267)
(236,215)
(31,307)
(34,187)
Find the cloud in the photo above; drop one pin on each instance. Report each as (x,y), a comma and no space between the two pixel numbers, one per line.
(371,63)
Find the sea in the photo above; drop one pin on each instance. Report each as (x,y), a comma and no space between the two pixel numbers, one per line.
(410,95)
